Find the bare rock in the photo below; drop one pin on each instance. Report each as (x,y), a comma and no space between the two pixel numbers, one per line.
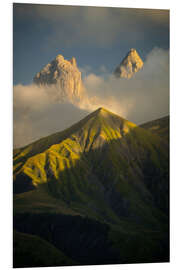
(64,75)
(131,64)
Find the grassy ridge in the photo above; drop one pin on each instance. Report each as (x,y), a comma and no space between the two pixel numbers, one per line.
(159,127)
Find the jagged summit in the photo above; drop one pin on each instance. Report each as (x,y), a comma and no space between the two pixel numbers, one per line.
(61,61)
(60,58)
(73,61)
(131,64)
(63,74)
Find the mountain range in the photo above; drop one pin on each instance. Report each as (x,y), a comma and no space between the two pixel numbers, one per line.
(95,193)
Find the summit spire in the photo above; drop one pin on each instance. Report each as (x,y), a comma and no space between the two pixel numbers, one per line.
(65,76)
(131,64)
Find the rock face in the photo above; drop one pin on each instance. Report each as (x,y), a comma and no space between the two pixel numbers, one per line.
(131,64)
(64,75)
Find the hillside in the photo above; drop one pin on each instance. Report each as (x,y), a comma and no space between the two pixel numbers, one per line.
(102,184)
(159,126)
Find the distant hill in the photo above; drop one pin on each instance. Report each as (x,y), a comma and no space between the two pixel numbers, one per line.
(159,126)
(98,191)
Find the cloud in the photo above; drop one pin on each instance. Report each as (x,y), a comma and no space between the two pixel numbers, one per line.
(85,70)
(30,97)
(38,111)
(103,69)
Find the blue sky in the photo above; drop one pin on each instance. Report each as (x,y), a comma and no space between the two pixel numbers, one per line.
(95,36)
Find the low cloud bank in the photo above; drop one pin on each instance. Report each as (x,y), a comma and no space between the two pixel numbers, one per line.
(38,111)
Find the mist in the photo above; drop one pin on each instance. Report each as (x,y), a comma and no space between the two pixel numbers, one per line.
(39,113)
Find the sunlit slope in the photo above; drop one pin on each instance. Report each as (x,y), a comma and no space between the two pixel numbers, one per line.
(104,166)
(89,123)
(92,132)
(159,127)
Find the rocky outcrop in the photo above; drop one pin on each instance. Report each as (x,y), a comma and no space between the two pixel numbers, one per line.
(64,75)
(131,64)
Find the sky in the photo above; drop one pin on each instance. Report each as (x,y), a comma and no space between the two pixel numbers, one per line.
(98,38)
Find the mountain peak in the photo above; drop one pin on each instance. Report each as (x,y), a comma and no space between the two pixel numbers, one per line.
(59,58)
(100,110)
(103,113)
(131,64)
(65,75)
(101,126)
(132,50)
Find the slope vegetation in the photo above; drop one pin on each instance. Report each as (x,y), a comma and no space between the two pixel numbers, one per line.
(159,127)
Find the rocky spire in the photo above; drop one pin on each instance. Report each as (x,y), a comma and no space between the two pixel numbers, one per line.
(73,61)
(131,64)
(64,75)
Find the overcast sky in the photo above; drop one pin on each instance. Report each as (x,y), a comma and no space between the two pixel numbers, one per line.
(98,38)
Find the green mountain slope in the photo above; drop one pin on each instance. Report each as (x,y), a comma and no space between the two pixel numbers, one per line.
(159,127)
(101,180)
